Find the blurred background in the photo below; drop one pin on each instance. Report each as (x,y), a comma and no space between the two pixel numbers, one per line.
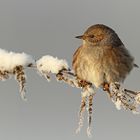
(41,27)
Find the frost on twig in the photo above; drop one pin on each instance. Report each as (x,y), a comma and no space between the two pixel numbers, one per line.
(81,112)
(86,96)
(21,79)
(121,97)
(12,63)
(48,64)
(86,101)
(124,98)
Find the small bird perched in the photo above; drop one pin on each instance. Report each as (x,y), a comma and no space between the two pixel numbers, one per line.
(102,58)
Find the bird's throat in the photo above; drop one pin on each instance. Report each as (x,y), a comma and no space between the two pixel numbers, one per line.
(84,43)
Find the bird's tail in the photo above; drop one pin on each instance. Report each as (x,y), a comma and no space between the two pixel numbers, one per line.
(135,65)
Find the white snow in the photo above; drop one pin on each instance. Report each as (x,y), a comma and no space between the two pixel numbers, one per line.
(51,64)
(88,91)
(137,98)
(118,104)
(135,112)
(8,60)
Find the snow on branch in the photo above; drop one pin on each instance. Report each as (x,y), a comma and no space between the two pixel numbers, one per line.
(121,97)
(15,64)
(12,63)
(124,98)
(48,64)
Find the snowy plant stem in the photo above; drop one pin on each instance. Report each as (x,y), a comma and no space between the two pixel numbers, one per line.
(81,113)
(90,113)
(130,91)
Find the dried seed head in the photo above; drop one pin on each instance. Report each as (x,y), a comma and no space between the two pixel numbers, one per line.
(21,79)
(4,74)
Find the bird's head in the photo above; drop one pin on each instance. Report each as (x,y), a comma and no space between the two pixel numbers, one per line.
(100,35)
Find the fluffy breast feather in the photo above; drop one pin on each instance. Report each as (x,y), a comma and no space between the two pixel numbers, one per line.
(102,64)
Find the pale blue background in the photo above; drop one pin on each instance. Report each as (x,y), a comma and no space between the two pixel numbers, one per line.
(40,27)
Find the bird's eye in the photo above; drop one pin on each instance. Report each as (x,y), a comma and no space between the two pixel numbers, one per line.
(91,36)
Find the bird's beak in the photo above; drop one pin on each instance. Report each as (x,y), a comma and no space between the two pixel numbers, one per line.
(80,37)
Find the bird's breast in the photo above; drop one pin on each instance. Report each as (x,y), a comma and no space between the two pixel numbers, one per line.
(87,63)
(102,64)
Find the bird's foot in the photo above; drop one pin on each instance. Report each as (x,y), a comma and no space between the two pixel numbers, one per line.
(106,88)
(83,83)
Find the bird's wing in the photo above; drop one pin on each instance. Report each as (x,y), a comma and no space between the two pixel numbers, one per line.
(135,65)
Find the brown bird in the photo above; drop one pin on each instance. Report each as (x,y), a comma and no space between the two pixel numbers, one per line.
(102,58)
